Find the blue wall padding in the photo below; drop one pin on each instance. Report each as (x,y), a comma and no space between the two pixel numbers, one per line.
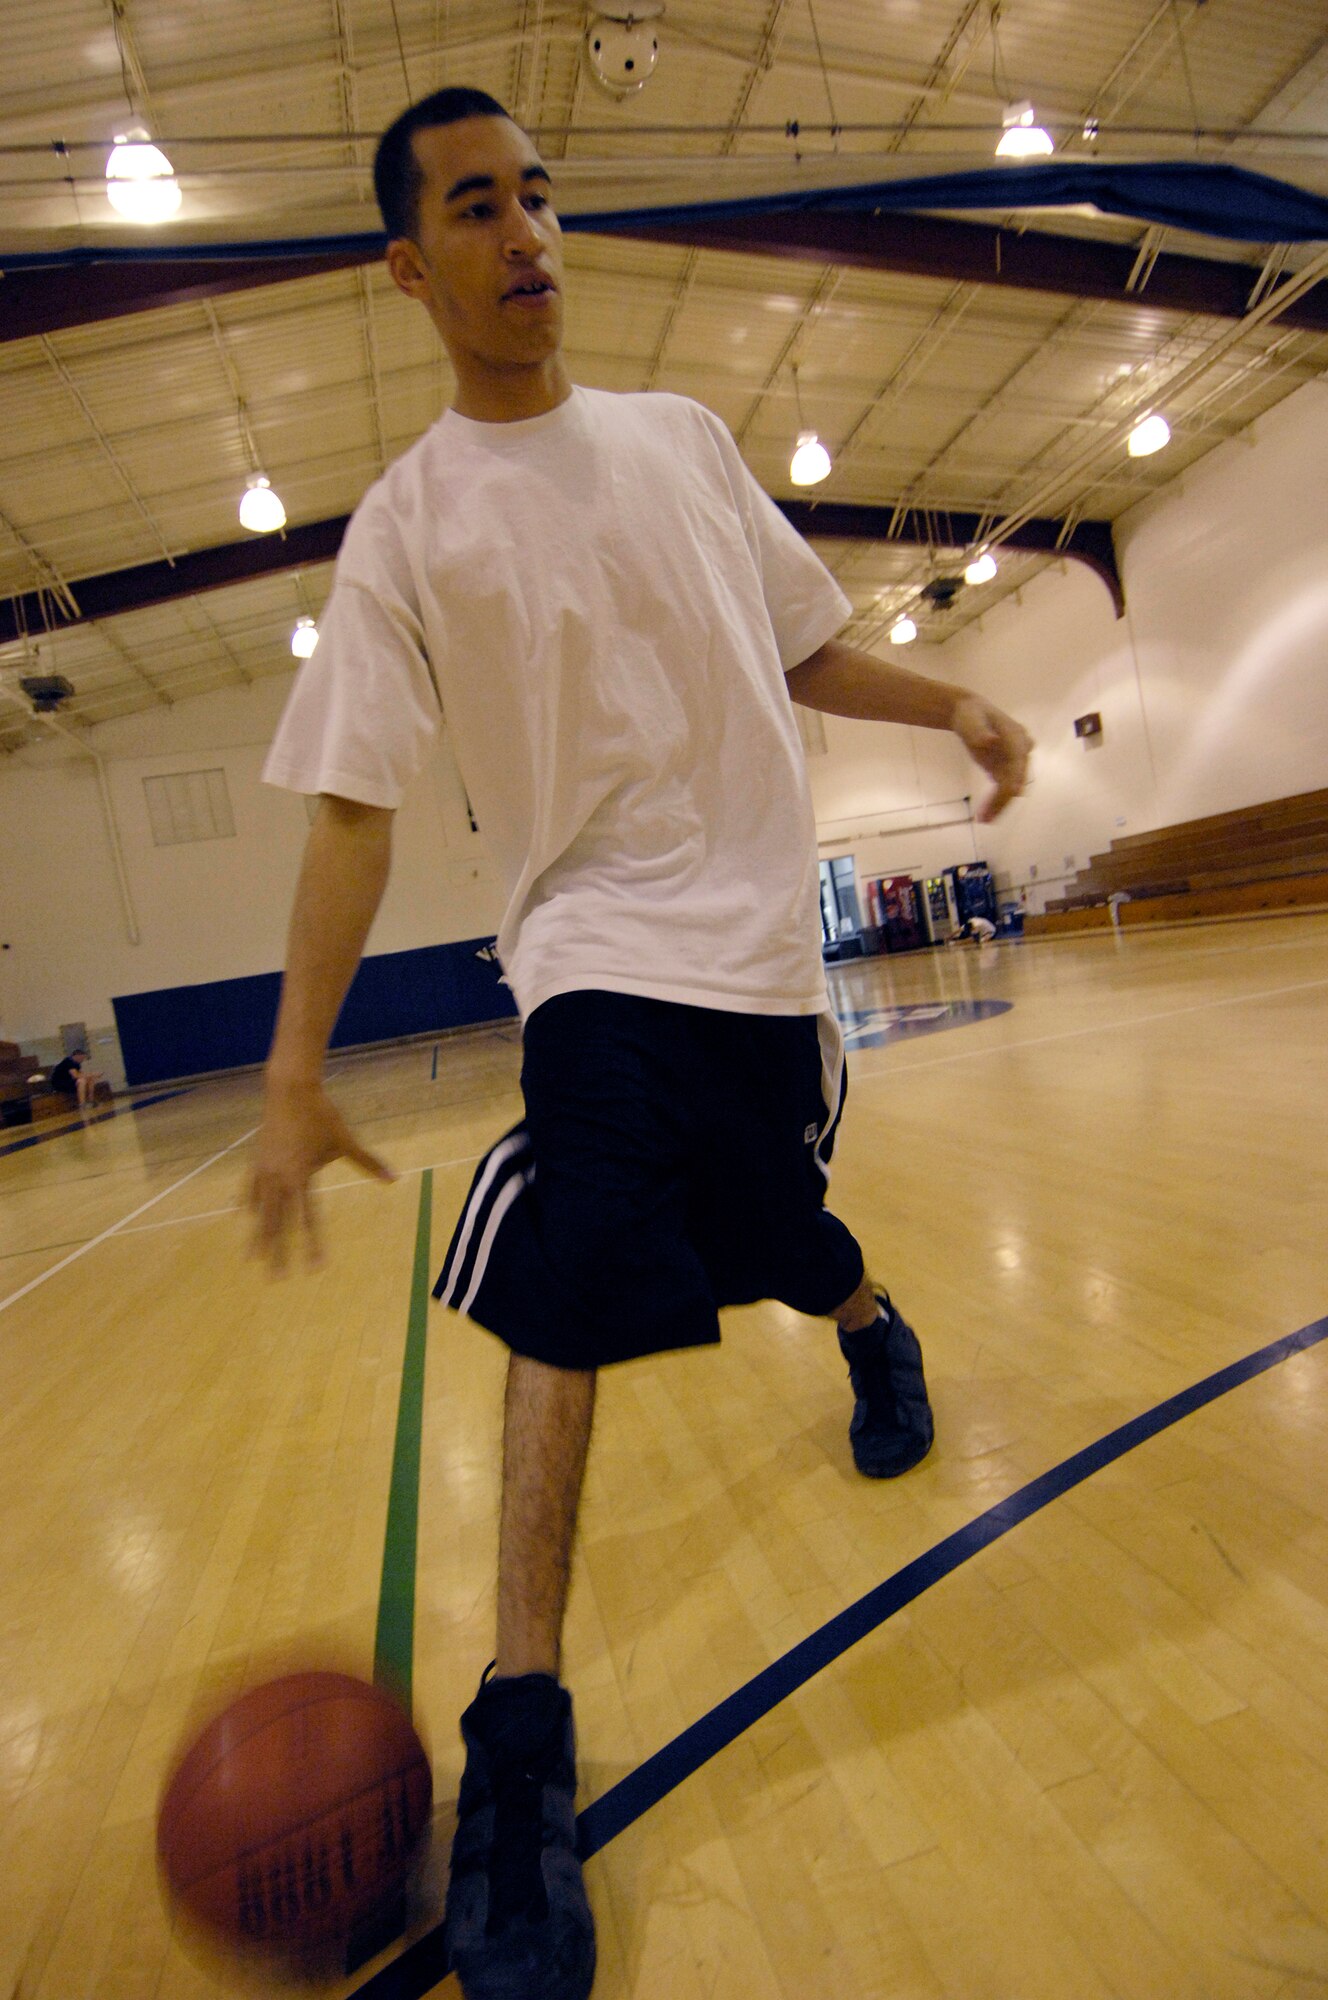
(187,1030)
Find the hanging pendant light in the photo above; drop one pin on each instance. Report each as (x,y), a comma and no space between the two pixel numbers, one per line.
(982,569)
(304,639)
(140,180)
(1022,139)
(903,632)
(1149,435)
(260,509)
(810,463)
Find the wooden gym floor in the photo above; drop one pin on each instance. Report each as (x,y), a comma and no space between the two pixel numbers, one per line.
(1091,1760)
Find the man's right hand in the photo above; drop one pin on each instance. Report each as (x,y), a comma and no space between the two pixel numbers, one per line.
(302,1130)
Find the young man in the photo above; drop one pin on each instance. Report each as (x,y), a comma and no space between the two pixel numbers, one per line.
(613,617)
(71,1077)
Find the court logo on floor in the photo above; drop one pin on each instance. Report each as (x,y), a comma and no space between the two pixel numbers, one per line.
(870,1028)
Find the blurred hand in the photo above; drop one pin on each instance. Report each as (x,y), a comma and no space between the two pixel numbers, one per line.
(999,744)
(302,1130)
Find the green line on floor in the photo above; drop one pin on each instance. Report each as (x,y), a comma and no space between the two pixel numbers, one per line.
(394,1643)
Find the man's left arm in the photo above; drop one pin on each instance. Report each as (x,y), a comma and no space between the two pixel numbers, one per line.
(842,680)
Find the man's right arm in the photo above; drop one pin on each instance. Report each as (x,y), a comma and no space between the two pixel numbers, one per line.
(344,874)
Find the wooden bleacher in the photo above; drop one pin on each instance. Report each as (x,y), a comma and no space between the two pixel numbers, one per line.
(1272,856)
(23,1102)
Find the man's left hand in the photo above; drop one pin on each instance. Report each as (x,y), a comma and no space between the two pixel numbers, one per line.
(999,744)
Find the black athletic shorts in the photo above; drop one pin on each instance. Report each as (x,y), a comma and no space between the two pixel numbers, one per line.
(672,1160)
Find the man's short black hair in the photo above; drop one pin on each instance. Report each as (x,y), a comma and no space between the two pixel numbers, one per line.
(397,176)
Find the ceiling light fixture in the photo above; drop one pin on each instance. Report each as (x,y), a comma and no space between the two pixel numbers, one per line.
(810,463)
(1022,139)
(1149,435)
(140,180)
(903,633)
(304,639)
(982,569)
(260,509)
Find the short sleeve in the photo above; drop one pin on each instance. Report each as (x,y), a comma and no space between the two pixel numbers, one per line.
(805,604)
(364,708)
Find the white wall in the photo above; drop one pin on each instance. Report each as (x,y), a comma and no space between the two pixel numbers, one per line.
(893,798)
(1213,690)
(213,909)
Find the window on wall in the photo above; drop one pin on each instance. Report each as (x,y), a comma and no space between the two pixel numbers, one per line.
(189,805)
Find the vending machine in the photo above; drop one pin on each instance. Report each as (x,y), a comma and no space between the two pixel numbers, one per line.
(899,898)
(940,911)
(974,891)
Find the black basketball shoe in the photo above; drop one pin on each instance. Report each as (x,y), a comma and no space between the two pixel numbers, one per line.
(517,1924)
(891,1429)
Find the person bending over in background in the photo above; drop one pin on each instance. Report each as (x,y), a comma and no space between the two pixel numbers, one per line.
(614,618)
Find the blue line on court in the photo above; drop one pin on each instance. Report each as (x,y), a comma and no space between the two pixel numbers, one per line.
(421,1966)
(116,1111)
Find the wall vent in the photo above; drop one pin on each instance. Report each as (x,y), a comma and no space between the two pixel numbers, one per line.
(189,805)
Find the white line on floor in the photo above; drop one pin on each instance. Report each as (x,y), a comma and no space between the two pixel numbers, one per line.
(117,1227)
(332,1187)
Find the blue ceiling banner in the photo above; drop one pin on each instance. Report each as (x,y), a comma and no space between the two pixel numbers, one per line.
(1205,198)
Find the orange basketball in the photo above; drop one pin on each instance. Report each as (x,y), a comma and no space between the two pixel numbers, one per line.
(297,1813)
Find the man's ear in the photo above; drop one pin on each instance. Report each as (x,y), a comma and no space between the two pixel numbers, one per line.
(406,266)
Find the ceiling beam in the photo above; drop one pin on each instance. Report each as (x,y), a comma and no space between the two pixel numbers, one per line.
(1020,260)
(138,589)
(87,289)
(1090,542)
(120,590)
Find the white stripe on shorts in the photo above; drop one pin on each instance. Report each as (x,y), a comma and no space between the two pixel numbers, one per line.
(503,1159)
(832,1087)
(515,1186)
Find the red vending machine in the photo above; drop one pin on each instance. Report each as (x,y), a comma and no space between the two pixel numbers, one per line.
(901,913)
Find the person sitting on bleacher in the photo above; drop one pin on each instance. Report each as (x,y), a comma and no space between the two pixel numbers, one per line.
(72,1078)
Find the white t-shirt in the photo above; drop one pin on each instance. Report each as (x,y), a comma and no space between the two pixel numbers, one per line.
(603,603)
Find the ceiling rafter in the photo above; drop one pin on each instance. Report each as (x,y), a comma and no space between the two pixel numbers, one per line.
(826,287)
(990,406)
(922,352)
(350,118)
(776,20)
(50,582)
(1120,78)
(941,80)
(62,373)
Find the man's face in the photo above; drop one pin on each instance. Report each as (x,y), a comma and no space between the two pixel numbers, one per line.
(486,261)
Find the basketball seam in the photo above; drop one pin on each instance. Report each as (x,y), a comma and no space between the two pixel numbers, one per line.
(418,1763)
(172,1809)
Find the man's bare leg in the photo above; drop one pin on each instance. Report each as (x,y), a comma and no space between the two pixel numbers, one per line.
(859,1309)
(546,1438)
(517,1920)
